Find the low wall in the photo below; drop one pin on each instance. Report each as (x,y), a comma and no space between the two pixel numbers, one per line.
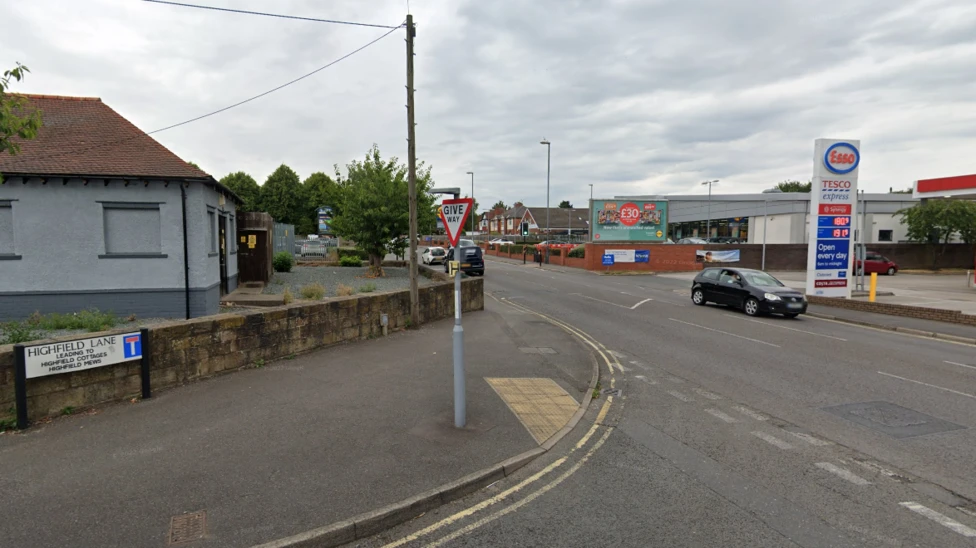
(663,257)
(184,351)
(907,256)
(936,314)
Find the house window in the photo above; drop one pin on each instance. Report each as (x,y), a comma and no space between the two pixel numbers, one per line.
(212,227)
(7,231)
(884,235)
(132,230)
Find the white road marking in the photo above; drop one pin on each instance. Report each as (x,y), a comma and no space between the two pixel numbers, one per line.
(772,440)
(679,395)
(645,379)
(876,468)
(941,519)
(929,385)
(843,473)
(793,329)
(640,303)
(961,364)
(750,413)
(809,439)
(675,380)
(721,416)
(600,300)
(616,354)
(889,331)
(724,332)
(706,394)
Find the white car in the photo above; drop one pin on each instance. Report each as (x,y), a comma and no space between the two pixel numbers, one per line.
(433,255)
(501,241)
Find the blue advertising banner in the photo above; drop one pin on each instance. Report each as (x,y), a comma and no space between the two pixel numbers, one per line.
(642,256)
(608,260)
(832,254)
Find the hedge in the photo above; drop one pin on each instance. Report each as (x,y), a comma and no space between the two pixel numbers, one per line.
(578,252)
(353,252)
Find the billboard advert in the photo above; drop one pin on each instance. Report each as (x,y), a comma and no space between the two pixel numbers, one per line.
(833,204)
(715,256)
(629,220)
(325,220)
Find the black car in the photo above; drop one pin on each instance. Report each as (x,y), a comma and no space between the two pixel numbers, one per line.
(754,291)
(470,256)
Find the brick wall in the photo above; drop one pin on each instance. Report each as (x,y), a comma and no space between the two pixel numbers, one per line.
(949,316)
(907,256)
(663,258)
(188,350)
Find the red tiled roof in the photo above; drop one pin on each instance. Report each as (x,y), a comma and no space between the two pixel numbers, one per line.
(84,136)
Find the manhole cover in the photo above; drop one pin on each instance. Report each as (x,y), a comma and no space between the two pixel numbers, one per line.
(893,420)
(187,528)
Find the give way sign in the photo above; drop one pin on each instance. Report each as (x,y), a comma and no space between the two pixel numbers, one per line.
(453,214)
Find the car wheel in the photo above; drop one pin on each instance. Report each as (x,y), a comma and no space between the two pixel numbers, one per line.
(891,271)
(790,316)
(751,307)
(698,297)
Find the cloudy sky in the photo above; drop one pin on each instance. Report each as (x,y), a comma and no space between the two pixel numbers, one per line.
(636,96)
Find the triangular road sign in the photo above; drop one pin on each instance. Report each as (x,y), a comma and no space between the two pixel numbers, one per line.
(453,214)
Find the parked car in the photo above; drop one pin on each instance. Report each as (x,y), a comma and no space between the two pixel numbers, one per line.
(433,255)
(692,241)
(754,291)
(313,248)
(875,262)
(502,241)
(470,256)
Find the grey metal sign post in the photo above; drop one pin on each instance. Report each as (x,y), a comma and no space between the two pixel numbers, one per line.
(453,214)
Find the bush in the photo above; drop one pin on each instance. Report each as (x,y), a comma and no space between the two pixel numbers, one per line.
(17,332)
(352,252)
(283,261)
(344,290)
(90,320)
(578,252)
(555,252)
(350,260)
(288,297)
(313,291)
(367,288)
(516,248)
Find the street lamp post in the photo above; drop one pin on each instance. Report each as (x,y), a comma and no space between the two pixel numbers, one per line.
(591,192)
(708,219)
(474,211)
(548,155)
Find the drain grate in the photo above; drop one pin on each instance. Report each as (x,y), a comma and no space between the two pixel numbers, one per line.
(187,528)
(893,420)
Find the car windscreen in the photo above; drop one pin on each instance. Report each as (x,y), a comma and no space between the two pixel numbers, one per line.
(761,279)
(438,252)
(466,243)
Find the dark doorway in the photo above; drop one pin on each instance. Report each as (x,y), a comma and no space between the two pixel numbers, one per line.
(254,256)
(222,238)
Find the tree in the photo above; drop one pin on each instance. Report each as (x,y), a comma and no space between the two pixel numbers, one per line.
(472,215)
(499,205)
(15,119)
(565,204)
(281,196)
(246,188)
(795,186)
(909,190)
(936,221)
(318,190)
(374,205)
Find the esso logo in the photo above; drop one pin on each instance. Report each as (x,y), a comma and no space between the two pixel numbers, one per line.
(841,158)
(827,183)
(629,214)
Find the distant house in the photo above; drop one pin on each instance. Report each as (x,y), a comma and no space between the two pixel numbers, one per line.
(562,221)
(95,213)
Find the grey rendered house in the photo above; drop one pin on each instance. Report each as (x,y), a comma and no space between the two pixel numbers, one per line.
(96,213)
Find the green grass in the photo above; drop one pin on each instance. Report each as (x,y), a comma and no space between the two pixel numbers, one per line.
(37,324)
(367,288)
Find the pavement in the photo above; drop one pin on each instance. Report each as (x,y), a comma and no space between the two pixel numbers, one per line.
(732,431)
(298,444)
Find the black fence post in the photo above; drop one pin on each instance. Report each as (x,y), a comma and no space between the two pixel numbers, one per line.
(20,386)
(145,363)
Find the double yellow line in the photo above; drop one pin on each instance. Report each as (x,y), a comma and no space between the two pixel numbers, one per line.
(606,355)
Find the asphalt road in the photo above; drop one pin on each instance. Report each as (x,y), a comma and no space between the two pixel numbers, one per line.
(728,431)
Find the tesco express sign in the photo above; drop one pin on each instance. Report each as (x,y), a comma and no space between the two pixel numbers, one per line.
(841,158)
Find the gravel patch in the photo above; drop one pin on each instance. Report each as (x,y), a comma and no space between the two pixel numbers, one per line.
(331,276)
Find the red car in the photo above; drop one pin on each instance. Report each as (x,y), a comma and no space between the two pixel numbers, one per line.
(875,262)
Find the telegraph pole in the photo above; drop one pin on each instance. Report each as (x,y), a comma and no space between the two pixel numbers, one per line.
(412,178)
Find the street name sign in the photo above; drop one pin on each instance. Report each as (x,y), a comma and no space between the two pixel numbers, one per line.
(63,357)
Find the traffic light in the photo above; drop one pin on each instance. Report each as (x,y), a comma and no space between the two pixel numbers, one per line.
(525,229)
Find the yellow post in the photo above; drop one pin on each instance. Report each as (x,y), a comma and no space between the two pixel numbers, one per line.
(874,286)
